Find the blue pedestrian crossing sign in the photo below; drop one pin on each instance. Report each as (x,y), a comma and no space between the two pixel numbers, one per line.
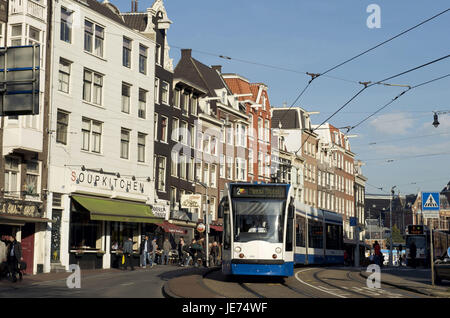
(430,201)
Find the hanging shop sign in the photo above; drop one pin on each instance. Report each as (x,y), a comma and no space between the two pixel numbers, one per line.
(201,228)
(191,201)
(161,210)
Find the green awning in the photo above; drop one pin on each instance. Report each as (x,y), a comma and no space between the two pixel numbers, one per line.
(116,210)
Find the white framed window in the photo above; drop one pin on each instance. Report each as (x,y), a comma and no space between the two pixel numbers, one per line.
(175,129)
(62,124)
(142,110)
(162,173)
(64,75)
(213,176)
(164,129)
(173,197)
(194,102)
(174,164)
(191,169)
(185,106)
(222,166)
(141,146)
(229,167)
(94,36)
(260,129)
(183,162)
(176,97)
(126,52)
(165,93)
(198,171)
(250,161)
(91,131)
(143,59)
(206,173)
(184,133)
(155,126)
(156,90)
(126,93)
(66,25)
(16,35)
(34,36)
(124,143)
(267,131)
(92,87)
(192,136)
(32,177)
(12,176)
(158,54)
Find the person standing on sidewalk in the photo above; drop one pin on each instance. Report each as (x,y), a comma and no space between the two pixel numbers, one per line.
(180,246)
(166,249)
(128,251)
(145,252)
(14,257)
(378,255)
(153,253)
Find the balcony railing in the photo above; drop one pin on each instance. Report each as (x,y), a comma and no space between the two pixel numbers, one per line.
(29,7)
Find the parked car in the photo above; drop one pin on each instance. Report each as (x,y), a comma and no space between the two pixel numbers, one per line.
(442,268)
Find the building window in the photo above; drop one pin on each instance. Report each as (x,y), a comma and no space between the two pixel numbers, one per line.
(16,35)
(32,177)
(91,133)
(176,97)
(213,176)
(185,109)
(93,42)
(142,111)
(174,164)
(34,36)
(12,176)
(192,135)
(156,90)
(126,91)
(229,167)
(64,75)
(191,170)
(126,58)
(260,129)
(141,147)
(164,128)
(124,143)
(206,174)
(66,25)
(222,166)
(194,100)
(184,132)
(250,161)
(173,197)
(155,127)
(175,130)
(161,174)
(183,162)
(61,127)
(143,59)
(165,93)
(92,87)
(158,54)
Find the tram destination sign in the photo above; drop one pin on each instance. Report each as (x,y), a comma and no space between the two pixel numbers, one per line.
(251,191)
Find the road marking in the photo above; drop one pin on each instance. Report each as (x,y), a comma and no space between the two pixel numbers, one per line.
(323,289)
(127,284)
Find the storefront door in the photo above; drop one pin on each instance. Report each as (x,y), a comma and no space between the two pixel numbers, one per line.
(28,246)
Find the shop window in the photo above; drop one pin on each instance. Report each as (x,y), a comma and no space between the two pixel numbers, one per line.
(84,233)
(121,231)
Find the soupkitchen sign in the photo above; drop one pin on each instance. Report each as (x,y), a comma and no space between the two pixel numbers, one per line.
(107,182)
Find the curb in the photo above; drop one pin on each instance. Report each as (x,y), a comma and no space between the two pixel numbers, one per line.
(167,293)
(410,289)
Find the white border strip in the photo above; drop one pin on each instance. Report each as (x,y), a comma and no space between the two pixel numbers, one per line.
(318,288)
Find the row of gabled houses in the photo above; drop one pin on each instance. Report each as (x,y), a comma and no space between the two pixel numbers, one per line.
(123,133)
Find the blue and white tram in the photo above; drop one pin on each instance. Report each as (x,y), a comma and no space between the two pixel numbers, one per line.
(266,231)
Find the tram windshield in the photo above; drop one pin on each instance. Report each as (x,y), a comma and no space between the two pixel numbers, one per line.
(258,220)
(419,240)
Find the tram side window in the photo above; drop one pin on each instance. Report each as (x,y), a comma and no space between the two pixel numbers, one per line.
(315,234)
(334,237)
(300,231)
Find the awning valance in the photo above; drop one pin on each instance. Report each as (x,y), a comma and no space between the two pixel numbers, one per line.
(117,210)
(21,220)
(172,228)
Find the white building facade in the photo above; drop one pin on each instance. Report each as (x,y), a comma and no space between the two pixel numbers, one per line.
(101,181)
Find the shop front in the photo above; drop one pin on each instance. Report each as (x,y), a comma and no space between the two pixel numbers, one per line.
(24,219)
(99,227)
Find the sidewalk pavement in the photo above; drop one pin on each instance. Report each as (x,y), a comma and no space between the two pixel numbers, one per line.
(415,280)
(183,286)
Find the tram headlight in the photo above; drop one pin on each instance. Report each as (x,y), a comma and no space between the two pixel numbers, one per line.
(237,249)
(241,255)
(278,250)
(274,256)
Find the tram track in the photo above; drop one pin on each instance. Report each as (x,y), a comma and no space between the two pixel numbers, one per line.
(337,287)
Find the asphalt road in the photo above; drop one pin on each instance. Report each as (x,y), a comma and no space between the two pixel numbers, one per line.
(312,282)
(141,283)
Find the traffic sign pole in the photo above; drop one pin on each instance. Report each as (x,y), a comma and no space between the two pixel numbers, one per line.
(432,257)
(431,202)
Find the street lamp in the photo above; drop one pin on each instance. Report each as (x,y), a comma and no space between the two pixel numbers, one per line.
(204,185)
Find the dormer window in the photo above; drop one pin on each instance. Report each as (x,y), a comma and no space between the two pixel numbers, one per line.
(224,97)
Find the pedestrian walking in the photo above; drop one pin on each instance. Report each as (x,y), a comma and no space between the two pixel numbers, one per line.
(145,250)
(3,257)
(166,249)
(127,252)
(153,252)
(14,257)
(214,254)
(180,246)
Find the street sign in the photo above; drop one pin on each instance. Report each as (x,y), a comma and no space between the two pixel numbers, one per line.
(430,205)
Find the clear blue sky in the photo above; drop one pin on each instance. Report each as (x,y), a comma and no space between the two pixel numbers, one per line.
(312,36)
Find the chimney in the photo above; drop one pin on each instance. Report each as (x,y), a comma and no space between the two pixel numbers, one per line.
(134,5)
(186,53)
(217,68)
